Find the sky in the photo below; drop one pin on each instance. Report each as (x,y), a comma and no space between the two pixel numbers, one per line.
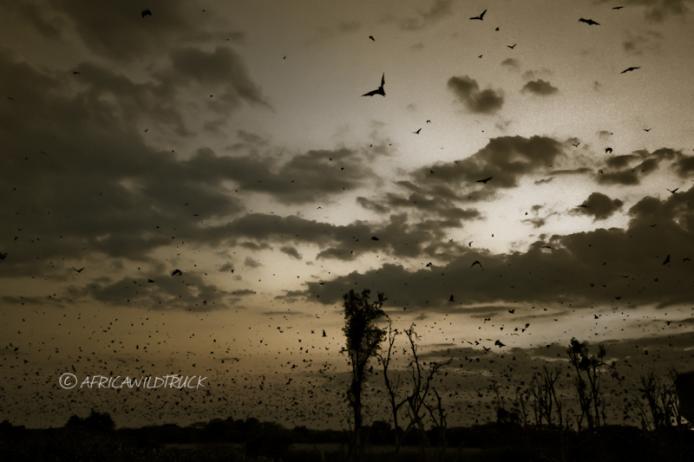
(231,141)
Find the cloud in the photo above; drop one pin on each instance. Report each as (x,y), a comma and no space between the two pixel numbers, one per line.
(478,101)
(187,292)
(637,44)
(75,155)
(539,87)
(599,206)
(439,10)
(659,10)
(126,36)
(222,68)
(505,159)
(623,267)
(250,262)
(291,251)
(396,236)
(47,24)
(630,169)
(511,64)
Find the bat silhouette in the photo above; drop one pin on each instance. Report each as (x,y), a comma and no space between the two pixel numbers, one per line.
(512,46)
(480,17)
(380,90)
(371,37)
(589,21)
(146,13)
(485,180)
(418,131)
(630,69)
(177,272)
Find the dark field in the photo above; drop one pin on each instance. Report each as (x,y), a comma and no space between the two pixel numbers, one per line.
(254,441)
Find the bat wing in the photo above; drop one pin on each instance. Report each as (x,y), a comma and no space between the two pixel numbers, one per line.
(370,93)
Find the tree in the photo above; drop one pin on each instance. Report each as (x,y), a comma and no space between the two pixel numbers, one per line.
(363,339)
(588,384)
(544,400)
(660,396)
(392,385)
(421,384)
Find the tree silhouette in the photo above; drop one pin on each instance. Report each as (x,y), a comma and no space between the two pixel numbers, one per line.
(588,384)
(392,384)
(363,338)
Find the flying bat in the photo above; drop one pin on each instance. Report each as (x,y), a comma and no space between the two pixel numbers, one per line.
(177,272)
(418,131)
(485,180)
(589,21)
(630,69)
(380,90)
(512,46)
(146,13)
(371,37)
(480,17)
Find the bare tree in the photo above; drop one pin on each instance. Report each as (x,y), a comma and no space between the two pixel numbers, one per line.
(660,396)
(363,341)
(544,401)
(438,416)
(392,384)
(588,382)
(422,376)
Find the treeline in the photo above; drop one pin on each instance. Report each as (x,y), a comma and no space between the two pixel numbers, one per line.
(418,410)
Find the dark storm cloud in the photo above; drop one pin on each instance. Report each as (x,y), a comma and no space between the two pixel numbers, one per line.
(505,159)
(116,29)
(629,169)
(222,67)
(397,236)
(468,92)
(79,176)
(539,87)
(685,166)
(299,180)
(623,267)
(189,292)
(428,205)
(599,206)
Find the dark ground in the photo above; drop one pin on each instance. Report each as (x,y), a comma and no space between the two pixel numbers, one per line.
(250,440)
